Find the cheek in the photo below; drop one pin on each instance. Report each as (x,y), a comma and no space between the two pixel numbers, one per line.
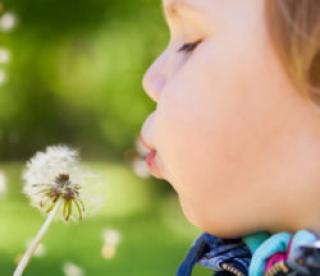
(203,125)
(203,145)
(216,131)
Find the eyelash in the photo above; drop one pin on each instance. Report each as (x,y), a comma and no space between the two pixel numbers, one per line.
(189,47)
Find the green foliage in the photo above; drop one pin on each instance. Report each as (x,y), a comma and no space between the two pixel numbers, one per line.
(75,74)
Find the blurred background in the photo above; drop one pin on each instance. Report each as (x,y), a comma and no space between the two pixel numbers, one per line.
(70,73)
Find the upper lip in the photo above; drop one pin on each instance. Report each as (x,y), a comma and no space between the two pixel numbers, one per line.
(146,144)
(145,133)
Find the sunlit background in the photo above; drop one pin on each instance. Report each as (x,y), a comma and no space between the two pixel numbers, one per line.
(70,72)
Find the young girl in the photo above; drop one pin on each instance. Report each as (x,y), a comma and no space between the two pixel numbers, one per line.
(236,131)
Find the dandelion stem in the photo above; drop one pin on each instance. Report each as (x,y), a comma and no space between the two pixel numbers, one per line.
(35,243)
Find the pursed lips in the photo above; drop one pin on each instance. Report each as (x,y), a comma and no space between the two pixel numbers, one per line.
(152,157)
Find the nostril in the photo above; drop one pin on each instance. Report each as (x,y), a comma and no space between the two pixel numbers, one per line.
(153,86)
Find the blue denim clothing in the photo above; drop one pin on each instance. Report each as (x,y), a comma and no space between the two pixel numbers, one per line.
(213,252)
(248,255)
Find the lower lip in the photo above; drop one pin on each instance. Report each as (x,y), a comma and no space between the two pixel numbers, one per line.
(150,160)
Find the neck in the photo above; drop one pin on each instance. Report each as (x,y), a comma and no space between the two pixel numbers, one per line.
(301,207)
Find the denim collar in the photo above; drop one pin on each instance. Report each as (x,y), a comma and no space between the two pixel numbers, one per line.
(250,255)
(216,254)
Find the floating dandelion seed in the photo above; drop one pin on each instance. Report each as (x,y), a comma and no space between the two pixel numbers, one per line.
(52,182)
(111,236)
(137,160)
(3,77)
(141,149)
(40,251)
(3,184)
(7,22)
(140,168)
(71,269)
(108,251)
(111,239)
(4,55)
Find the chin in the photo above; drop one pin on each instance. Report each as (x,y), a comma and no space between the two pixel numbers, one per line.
(227,227)
(222,232)
(221,229)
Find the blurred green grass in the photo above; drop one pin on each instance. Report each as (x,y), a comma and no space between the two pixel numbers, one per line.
(154,234)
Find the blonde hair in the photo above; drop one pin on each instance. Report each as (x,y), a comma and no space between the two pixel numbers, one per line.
(294,26)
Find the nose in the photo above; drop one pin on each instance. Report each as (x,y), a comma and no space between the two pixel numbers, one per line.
(154,80)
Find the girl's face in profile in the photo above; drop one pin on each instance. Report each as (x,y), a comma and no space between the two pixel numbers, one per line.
(228,122)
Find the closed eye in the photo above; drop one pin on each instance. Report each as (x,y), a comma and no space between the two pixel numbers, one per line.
(189,47)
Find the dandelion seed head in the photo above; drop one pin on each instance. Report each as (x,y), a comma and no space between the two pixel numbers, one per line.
(54,174)
(44,167)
